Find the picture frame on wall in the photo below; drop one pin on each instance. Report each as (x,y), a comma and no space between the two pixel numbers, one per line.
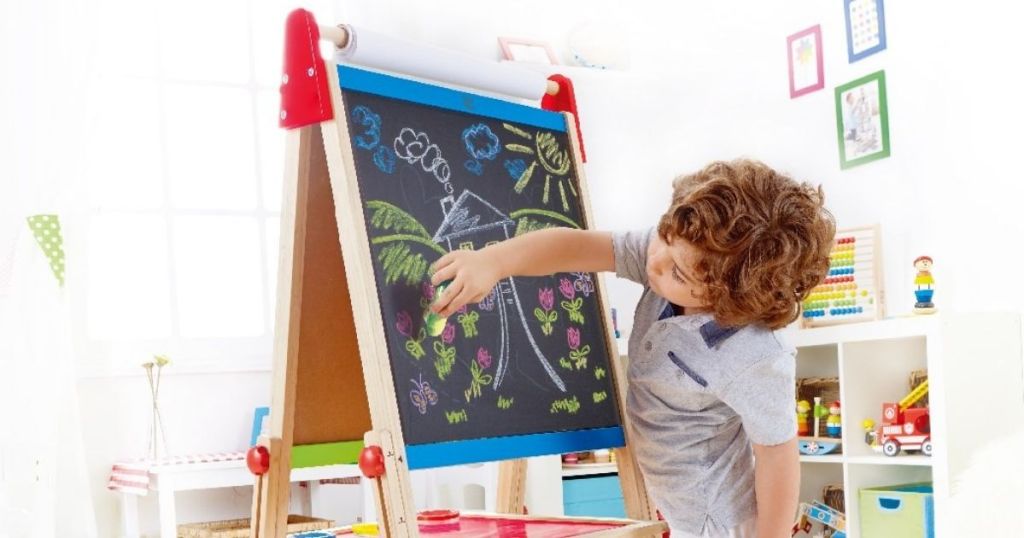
(526,50)
(806,63)
(865,28)
(862,120)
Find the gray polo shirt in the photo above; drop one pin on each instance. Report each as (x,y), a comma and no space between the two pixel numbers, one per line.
(699,395)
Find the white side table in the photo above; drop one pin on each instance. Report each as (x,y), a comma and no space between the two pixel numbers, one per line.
(166,480)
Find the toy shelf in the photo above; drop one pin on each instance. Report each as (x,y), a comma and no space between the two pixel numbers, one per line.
(906,459)
(588,469)
(969,359)
(976,380)
(815,476)
(827,458)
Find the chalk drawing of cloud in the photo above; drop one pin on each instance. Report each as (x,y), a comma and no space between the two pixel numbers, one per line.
(481,142)
(410,145)
(414,147)
(515,168)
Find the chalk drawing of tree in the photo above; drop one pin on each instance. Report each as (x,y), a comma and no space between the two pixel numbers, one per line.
(403,232)
(532,219)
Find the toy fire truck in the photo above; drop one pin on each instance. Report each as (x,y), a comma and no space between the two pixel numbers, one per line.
(905,427)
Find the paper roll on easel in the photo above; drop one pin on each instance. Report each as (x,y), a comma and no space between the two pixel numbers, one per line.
(378,51)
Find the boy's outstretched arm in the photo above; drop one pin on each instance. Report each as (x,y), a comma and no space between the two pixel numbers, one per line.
(474,273)
(777,488)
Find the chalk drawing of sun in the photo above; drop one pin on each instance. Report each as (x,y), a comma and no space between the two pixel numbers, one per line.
(549,154)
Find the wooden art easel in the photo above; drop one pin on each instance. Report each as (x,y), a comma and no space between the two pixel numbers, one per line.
(328,318)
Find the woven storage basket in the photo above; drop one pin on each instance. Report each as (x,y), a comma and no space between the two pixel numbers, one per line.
(807,388)
(832,496)
(239,528)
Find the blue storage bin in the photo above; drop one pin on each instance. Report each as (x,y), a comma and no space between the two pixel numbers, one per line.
(593,496)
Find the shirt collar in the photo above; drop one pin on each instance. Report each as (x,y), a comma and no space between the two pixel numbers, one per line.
(712,333)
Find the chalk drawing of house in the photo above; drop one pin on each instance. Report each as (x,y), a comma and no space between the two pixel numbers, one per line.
(470,222)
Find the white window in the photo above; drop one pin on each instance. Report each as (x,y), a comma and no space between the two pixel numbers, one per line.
(184,161)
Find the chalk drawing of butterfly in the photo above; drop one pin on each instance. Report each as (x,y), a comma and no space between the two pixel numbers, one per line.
(422,395)
(584,283)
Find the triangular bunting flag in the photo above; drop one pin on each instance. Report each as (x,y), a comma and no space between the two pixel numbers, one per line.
(46,229)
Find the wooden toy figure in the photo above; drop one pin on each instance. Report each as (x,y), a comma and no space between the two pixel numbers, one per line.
(820,412)
(833,425)
(870,435)
(803,407)
(923,283)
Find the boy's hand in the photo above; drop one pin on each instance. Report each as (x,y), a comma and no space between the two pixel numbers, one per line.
(473,275)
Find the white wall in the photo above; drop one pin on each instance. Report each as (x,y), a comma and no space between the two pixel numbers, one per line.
(708,81)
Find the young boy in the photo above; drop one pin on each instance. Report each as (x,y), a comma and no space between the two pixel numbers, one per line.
(711,387)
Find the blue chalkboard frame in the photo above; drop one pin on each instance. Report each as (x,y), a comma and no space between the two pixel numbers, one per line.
(515,446)
(430,455)
(355,79)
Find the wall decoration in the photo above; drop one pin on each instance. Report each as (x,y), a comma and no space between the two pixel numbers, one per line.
(526,50)
(865,28)
(862,120)
(806,64)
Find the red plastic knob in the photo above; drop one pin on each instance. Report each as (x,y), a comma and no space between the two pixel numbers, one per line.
(258,460)
(371,462)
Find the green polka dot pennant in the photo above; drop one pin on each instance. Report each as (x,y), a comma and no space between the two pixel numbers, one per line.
(46,229)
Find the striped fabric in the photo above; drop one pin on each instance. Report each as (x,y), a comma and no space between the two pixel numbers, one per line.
(350,480)
(129,478)
(133,476)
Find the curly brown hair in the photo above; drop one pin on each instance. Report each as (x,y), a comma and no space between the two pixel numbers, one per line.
(763,239)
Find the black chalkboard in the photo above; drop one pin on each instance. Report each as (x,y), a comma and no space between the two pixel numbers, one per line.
(532,357)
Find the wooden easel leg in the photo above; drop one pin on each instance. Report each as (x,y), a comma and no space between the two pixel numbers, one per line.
(257,493)
(273,502)
(511,487)
(383,517)
(257,459)
(634,490)
(396,514)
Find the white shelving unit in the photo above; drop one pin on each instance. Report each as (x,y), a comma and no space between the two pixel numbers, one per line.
(976,378)
(589,469)
(975,371)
